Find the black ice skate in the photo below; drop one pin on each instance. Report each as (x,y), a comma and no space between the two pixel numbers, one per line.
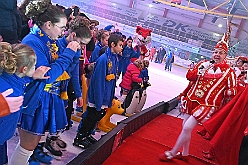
(81,142)
(53,148)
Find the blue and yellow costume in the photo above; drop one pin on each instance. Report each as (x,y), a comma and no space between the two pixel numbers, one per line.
(96,52)
(125,59)
(73,69)
(101,91)
(43,108)
(8,123)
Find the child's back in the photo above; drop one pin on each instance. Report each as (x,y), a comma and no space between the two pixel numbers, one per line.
(131,75)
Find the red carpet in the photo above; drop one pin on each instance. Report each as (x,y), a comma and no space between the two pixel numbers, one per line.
(144,146)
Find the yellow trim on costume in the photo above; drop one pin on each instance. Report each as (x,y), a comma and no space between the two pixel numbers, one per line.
(110,77)
(64,76)
(55,47)
(84,92)
(54,55)
(47,87)
(40,33)
(63,95)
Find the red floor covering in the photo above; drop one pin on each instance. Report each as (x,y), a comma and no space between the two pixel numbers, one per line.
(159,135)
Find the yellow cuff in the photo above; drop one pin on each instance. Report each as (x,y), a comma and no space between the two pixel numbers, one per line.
(110,77)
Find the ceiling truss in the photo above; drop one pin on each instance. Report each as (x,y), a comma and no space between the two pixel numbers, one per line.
(207,10)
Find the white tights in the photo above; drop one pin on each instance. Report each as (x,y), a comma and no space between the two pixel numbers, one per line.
(183,140)
(20,156)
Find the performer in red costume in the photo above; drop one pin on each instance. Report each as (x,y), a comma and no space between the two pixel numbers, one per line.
(227,126)
(213,84)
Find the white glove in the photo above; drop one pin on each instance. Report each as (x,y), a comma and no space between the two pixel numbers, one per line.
(14,103)
(203,67)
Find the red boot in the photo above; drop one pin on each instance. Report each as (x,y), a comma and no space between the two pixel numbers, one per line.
(166,156)
(181,157)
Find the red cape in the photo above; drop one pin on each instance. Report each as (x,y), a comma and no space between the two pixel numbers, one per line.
(227,129)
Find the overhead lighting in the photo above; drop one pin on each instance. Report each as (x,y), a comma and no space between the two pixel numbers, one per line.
(150,5)
(114,4)
(220,25)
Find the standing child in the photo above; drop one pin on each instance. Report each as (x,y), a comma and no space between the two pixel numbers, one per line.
(101,91)
(17,62)
(152,53)
(102,38)
(131,76)
(144,73)
(126,55)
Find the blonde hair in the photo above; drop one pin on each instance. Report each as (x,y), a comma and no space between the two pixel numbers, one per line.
(13,57)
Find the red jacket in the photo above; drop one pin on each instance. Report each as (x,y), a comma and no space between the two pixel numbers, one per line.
(131,75)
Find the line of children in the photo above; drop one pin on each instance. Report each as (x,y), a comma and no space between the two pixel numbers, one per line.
(78,31)
(43,107)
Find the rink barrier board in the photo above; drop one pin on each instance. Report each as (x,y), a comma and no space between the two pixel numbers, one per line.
(97,153)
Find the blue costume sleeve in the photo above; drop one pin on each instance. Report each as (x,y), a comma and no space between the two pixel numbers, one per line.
(95,54)
(135,54)
(73,69)
(75,81)
(99,81)
(35,89)
(58,66)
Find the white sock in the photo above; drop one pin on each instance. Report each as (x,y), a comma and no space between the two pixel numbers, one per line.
(185,136)
(122,99)
(20,156)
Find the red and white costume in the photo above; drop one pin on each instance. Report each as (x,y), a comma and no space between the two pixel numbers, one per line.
(209,90)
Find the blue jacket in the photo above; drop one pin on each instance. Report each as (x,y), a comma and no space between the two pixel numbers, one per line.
(101,92)
(73,69)
(124,60)
(8,123)
(35,89)
(10,21)
(144,74)
(96,52)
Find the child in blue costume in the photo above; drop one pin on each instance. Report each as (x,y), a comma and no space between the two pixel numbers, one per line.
(144,73)
(43,109)
(101,91)
(17,62)
(78,31)
(127,53)
(102,38)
